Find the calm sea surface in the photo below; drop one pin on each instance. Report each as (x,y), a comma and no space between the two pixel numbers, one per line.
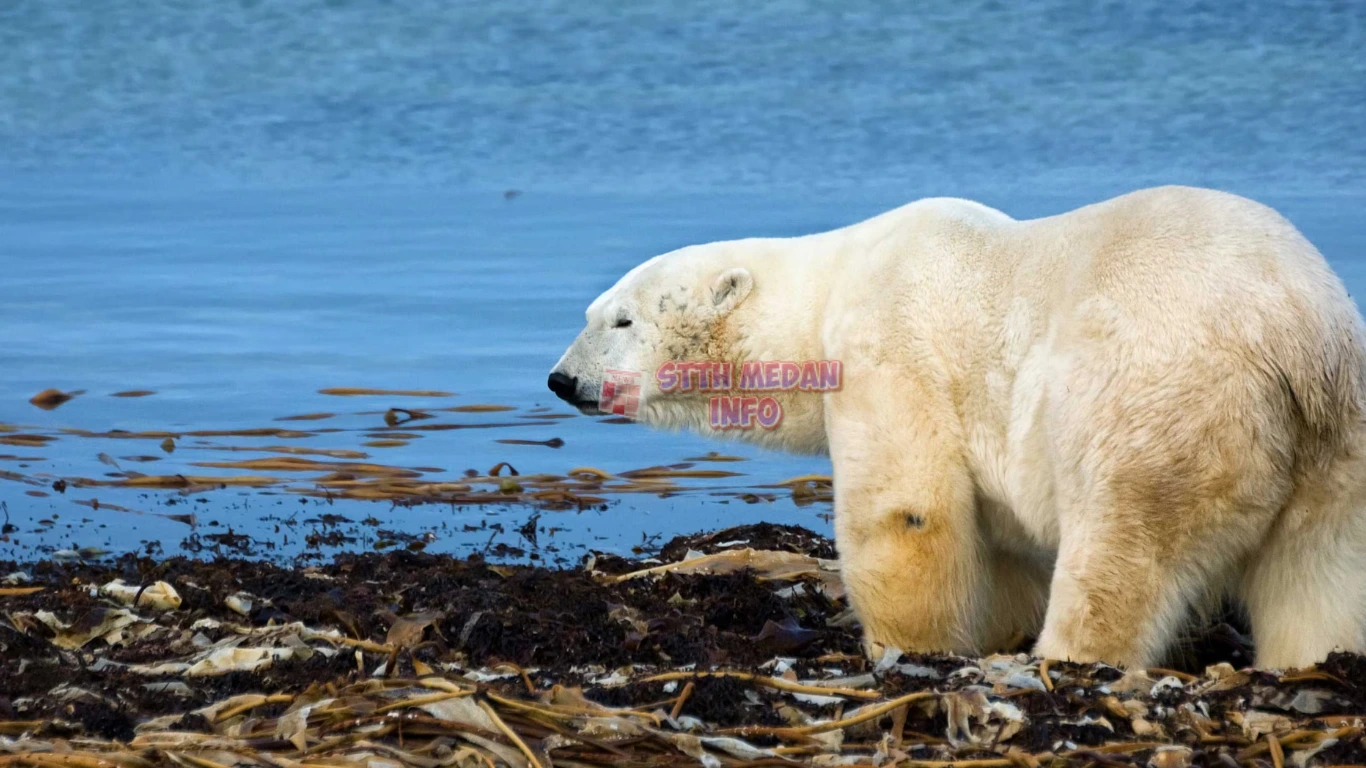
(234,205)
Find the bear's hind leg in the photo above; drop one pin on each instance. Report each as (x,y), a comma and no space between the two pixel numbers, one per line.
(1305,590)
(1113,600)
(1141,554)
(1172,461)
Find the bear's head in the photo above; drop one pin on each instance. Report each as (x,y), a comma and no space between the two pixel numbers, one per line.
(673,308)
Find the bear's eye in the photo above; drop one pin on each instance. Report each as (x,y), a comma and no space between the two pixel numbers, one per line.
(622,323)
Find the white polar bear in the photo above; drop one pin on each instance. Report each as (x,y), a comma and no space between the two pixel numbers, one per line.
(1087,427)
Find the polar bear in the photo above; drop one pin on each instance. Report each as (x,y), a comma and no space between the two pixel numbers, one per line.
(1087,428)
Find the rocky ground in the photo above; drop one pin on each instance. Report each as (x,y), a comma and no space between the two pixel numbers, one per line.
(729,649)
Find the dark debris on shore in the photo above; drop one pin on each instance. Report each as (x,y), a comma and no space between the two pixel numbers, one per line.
(728,649)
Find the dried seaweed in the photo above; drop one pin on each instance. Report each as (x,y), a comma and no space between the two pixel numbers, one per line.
(424,661)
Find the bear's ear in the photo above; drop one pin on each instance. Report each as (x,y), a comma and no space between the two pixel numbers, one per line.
(730,288)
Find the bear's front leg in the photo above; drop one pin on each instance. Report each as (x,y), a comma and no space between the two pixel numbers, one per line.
(905,527)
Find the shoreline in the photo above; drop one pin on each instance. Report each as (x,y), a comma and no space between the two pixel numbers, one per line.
(728,648)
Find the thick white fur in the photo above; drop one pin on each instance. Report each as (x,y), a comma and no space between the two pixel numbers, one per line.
(1088,427)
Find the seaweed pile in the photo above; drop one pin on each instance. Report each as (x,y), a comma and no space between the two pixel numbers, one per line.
(730,649)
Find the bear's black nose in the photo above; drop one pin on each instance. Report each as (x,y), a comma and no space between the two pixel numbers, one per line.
(563,386)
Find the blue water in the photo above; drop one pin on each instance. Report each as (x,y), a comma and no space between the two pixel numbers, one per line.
(236,204)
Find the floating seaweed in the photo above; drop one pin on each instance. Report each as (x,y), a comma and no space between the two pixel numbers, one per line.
(360,391)
(50,399)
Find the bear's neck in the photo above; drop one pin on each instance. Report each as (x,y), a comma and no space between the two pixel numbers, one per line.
(781,321)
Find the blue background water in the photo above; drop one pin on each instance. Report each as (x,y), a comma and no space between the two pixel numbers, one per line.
(238,203)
